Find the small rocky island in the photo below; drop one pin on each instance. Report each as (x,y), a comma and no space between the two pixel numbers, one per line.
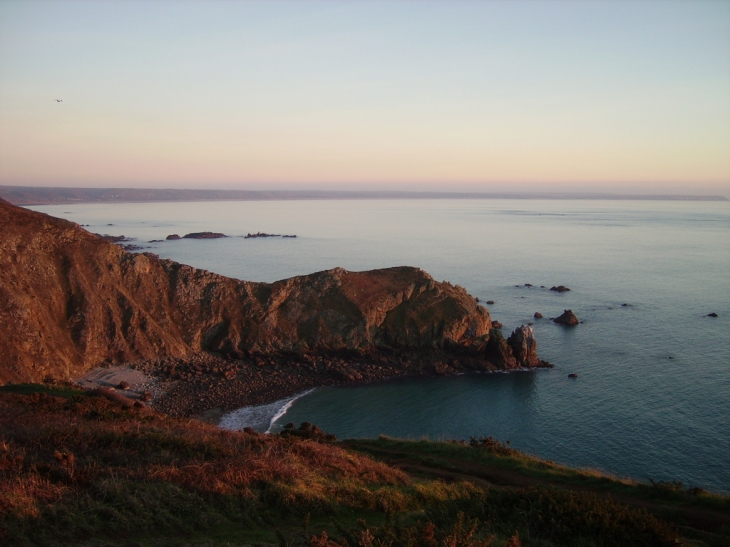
(559,288)
(264,234)
(197,235)
(567,318)
(204,235)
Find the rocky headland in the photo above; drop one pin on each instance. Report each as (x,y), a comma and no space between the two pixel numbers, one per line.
(72,301)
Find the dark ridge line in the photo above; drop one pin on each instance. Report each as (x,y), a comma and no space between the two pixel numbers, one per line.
(28,195)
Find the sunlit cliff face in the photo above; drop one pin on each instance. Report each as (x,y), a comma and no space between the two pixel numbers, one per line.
(74,301)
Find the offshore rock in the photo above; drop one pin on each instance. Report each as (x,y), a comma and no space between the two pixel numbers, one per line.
(524,347)
(70,301)
(567,318)
(560,288)
(517,351)
(204,235)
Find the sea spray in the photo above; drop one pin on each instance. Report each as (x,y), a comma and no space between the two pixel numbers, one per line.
(261,417)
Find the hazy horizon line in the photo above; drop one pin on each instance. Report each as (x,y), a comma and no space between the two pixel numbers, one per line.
(47,195)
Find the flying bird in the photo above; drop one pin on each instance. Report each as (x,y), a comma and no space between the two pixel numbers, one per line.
(59,100)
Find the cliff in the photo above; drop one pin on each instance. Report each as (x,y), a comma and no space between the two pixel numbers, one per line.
(70,301)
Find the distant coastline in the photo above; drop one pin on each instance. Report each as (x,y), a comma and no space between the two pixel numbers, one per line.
(38,195)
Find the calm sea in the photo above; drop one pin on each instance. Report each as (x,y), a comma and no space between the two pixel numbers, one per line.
(652,397)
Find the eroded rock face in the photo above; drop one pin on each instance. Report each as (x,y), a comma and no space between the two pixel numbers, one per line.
(70,301)
(524,347)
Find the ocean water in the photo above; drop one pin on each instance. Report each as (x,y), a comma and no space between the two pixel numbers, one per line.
(652,397)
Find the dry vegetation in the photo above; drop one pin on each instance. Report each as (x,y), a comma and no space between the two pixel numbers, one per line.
(78,468)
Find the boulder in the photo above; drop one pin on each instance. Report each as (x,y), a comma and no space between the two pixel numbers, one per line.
(538,315)
(173,236)
(567,318)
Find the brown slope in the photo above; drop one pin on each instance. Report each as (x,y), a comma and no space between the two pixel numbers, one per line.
(70,301)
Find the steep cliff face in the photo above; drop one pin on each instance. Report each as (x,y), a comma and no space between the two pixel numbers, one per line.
(70,301)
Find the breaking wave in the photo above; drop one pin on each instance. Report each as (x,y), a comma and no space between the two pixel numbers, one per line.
(261,417)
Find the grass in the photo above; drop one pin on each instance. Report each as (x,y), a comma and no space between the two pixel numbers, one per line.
(450,455)
(78,470)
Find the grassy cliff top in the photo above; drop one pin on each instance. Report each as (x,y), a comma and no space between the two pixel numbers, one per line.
(89,470)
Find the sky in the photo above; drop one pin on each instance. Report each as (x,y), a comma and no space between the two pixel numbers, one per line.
(419,95)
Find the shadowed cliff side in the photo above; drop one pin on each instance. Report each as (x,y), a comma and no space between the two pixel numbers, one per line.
(70,301)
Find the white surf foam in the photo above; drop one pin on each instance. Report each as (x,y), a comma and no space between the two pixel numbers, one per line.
(260,417)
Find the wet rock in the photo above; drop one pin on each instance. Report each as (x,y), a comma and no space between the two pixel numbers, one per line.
(490,302)
(567,318)
(713,314)
(537,315)
(572,375)
(173,237)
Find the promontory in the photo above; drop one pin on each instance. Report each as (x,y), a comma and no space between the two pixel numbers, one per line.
(70,302)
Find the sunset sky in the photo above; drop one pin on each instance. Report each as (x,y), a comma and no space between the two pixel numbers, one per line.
(537,95)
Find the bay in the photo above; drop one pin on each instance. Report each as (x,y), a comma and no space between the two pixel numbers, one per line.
(652,397)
